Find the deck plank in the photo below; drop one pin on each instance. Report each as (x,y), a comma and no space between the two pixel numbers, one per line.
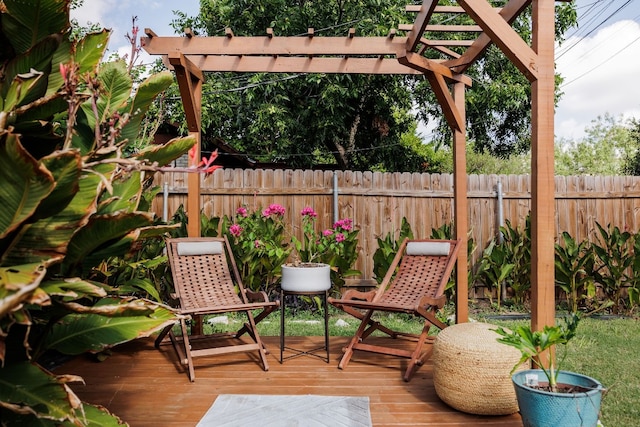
(147,387)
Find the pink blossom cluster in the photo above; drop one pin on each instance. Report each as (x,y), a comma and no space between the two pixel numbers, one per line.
(235,230)
(242,211)
(344,224)
(308,211)
(274,209)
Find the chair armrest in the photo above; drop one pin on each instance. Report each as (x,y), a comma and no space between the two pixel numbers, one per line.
(354,294)
(256,296)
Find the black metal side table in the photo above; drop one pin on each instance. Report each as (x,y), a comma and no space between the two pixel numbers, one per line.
(314,351)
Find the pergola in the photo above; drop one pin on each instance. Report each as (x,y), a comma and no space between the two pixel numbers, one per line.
(443,61)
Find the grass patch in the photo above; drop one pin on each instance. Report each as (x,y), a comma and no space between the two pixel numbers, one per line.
(607,350)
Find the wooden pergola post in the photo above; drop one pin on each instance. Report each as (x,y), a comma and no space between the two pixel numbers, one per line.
(190,79)
(542,168)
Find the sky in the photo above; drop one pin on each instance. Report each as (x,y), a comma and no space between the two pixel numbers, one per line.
(600,60)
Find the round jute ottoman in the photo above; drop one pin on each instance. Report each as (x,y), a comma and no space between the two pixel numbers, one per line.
(471,370)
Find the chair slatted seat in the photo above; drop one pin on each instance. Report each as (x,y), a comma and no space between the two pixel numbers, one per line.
(207,281)
(415,284)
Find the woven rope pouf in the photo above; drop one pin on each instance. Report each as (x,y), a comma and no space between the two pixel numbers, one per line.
(471,370)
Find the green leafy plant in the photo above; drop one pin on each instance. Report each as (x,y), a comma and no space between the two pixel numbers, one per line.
(574,270)
(335,246)
(387,249)
(536,345)
(72,202)
(258,241)
(615,259)
(494,268)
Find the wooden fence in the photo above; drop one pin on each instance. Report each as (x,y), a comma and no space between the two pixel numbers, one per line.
(377,202)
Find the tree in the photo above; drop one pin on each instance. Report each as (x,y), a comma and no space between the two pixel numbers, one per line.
(359,122)
(352,121)
(608,148)
(499,101)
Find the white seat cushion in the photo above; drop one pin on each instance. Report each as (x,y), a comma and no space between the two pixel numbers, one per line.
(428,248)
(199,248)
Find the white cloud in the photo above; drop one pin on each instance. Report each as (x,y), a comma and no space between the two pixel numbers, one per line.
(599,73)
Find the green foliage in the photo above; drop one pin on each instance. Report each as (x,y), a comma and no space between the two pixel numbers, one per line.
(533,345)
(337,246)
(387,249)
(508,263)
(614,259)
(574,270)
(608,148)
(357,122)
(73,209)
(259,245)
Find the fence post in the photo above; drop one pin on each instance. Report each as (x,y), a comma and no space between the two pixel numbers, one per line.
(165,202)
(335,197)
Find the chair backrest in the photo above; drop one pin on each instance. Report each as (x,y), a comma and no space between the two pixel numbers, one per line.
(423,270)
(201,275)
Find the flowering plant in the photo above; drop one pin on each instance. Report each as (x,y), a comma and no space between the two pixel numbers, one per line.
(257,241)
(335,246)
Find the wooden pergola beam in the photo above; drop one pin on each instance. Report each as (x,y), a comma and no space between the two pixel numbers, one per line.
(280,46)
(423,64)
(288,64)
(509,13)
(420,24)
(504,36)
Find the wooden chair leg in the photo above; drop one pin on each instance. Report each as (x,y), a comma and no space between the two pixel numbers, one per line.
(348,350)
(417,358)
(162,335)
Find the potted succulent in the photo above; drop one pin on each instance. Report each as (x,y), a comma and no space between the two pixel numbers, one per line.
(549,396)
(320,256)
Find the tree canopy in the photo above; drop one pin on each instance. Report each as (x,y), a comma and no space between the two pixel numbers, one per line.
(359,122)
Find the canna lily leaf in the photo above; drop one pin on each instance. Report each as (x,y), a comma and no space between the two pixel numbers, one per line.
(120,320)
(145,94)
(100,231)
(73,288)
(126,193)
(24,183)
(17,283)
(28,389)
(164,154)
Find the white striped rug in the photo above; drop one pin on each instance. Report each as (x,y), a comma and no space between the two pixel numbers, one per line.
(248,410)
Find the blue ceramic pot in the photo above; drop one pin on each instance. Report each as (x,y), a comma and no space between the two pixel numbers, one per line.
(540,408)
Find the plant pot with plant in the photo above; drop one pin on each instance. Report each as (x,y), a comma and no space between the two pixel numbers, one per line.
(320,258)
(549,396)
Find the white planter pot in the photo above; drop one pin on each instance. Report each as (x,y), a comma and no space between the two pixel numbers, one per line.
(306,277)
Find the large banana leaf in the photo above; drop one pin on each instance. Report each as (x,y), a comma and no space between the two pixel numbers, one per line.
(34,391)
(145,94)
(101,230)
(164,154)
(110,322)
(28,24)
(23,184)
(125,194)
(17,283)
(50,236)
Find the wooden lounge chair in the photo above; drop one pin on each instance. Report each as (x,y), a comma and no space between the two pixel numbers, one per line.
(414,284)
(205,284)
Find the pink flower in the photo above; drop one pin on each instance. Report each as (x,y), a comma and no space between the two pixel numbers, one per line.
(340,237)
(327,232)
(257,244)
(274,209)
(242,211)
(308,211)
(235,230)
(345,224)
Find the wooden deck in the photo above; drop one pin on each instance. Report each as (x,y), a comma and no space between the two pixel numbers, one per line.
(146,387)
